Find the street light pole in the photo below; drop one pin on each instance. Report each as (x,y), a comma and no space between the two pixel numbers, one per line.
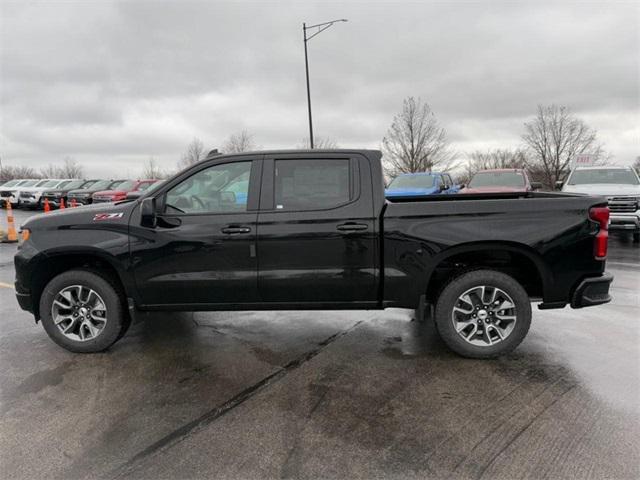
(321,27)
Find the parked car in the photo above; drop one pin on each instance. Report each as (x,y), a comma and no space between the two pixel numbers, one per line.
(501,180)
(23,191)
(60,193)
(8,190)
(138,193)
(325,238)
(83,196)
(423,183)
(120,191)
(620,185)
(31,197)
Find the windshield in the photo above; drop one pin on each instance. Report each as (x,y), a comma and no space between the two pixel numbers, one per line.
(51,183)
(84,184)
(41,183)
(413,181)
(128,185)
(72,184)
(11,183)
(142,187)
(497,179)
(112,185)
(603,175)
(30,183)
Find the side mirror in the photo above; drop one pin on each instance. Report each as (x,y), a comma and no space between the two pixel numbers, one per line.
(559,184)
(148,212)
(462,185)
(227,198)
(536,185)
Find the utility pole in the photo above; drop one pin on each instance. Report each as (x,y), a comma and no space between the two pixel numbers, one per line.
(321,27)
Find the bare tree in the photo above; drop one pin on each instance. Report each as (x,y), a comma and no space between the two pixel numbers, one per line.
(554,137)
(50,171)
(416,142)
(496,158)
(326,143)
(636,165)
(10,172)
(194,153)
(239,142)
(71,169)
(151,169)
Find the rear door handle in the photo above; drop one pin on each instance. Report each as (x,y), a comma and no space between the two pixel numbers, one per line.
(234,230)
(352,227)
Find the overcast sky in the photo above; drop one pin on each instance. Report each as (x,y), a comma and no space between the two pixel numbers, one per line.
(112,83)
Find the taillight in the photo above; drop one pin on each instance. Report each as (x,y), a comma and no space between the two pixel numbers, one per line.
(600,215)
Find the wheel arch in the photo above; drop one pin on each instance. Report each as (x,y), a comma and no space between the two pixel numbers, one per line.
(517,260)
(52,265)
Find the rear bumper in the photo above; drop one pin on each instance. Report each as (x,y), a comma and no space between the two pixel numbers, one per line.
(592,291)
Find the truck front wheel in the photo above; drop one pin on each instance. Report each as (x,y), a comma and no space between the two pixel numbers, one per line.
(483,314)
(82,312)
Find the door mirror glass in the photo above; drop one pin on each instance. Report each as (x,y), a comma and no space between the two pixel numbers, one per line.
(536,185)
(559,185)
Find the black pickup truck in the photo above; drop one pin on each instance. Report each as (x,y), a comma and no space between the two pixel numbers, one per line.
(312,230)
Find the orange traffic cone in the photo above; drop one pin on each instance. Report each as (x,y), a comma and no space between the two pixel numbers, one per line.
(12,235)
(61,203)
(47,208)
(73,203)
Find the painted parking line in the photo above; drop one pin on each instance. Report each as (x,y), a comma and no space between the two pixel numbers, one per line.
(6,285)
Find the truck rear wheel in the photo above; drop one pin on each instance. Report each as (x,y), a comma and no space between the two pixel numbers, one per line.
(483,314)
(82,311)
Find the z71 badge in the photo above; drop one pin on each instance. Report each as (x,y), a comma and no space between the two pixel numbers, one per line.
(107,216)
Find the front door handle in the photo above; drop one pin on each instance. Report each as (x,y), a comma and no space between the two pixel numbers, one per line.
(235,229)
(352,227)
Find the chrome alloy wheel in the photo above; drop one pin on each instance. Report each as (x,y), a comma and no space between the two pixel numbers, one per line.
(79,313)
(484,315)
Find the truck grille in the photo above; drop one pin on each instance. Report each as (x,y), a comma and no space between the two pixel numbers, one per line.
(26,195)
(623,204)
(5,193)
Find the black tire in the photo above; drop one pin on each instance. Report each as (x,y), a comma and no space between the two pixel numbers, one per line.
(457,287)
(103,286)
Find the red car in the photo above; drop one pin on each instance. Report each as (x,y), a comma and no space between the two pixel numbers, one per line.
(501,180)
(122,190)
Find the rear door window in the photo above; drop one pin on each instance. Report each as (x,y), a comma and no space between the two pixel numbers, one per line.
(302,185)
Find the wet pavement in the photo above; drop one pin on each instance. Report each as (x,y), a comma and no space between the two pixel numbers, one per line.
(325,394)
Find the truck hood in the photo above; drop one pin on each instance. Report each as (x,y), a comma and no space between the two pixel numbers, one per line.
(604,189)
(409,192)
(492,189)
(90,216)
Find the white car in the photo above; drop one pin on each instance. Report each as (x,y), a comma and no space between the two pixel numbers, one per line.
(9,191)
(621,186)
(31,195)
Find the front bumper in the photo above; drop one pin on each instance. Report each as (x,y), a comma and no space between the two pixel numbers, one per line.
(592,291)
(625,221)
(24,300)
(29,201)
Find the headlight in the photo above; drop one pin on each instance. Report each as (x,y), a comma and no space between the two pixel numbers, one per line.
(23,236)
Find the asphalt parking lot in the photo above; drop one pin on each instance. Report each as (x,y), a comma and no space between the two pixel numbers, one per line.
(325,394)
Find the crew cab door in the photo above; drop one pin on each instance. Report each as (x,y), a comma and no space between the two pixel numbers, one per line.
(203,249)
(316,230)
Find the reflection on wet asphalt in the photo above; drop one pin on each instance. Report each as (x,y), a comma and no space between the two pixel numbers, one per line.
(325,394)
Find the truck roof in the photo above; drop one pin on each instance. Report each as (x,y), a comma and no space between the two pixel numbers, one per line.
(600,167)
(293,151)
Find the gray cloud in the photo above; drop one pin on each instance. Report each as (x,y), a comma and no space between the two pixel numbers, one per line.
(112,83)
